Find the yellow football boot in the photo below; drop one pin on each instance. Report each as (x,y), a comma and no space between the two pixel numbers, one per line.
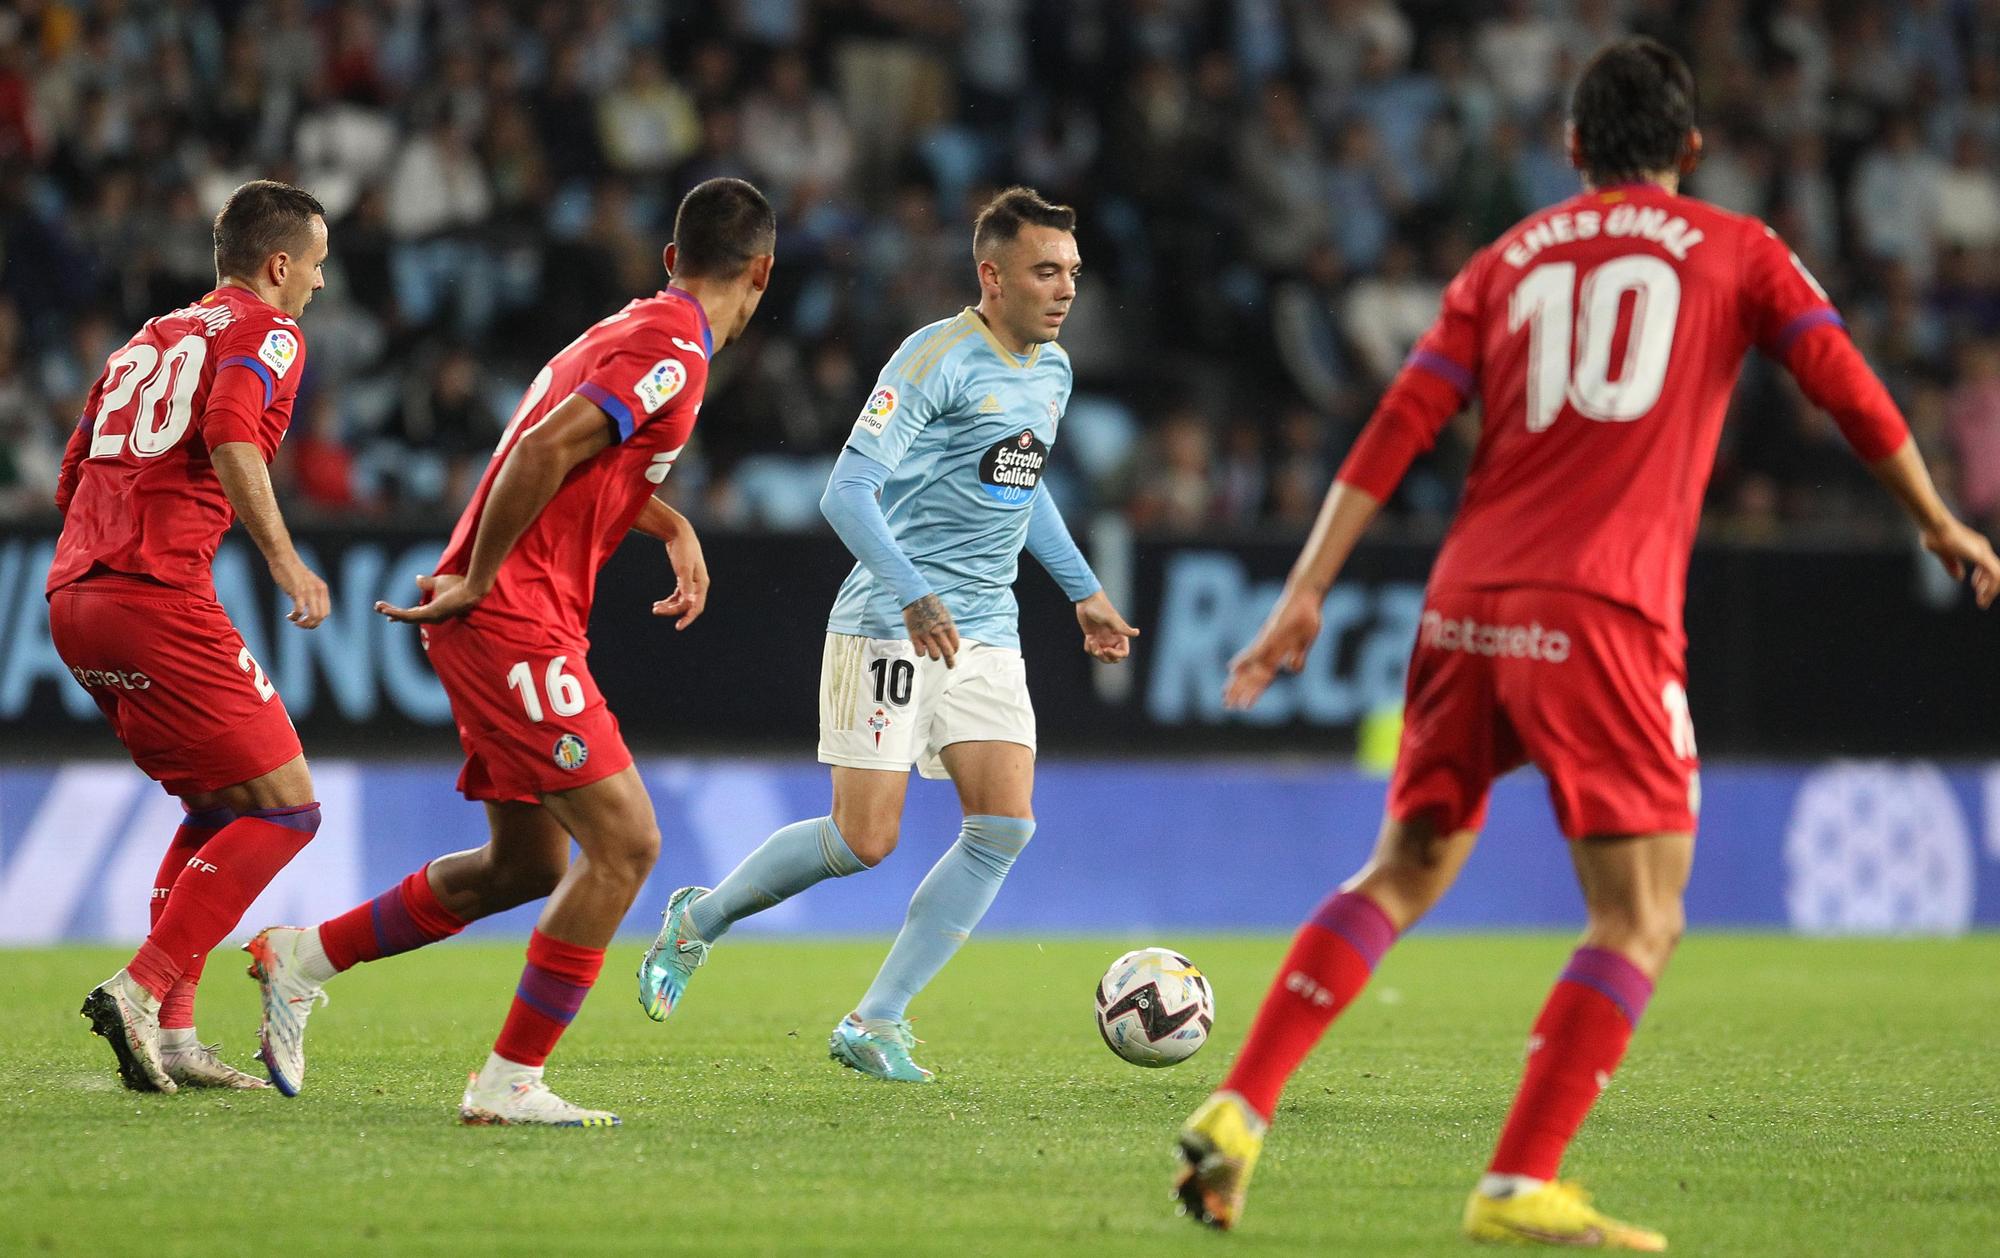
(1218,1149)
(1557,1213)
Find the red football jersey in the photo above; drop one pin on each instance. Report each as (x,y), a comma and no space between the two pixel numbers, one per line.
(644,367)
(137,492)
(1602,338)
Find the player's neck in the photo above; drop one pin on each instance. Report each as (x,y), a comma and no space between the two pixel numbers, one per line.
(266,294)
(1668,181)
(720,301)
(1000,333)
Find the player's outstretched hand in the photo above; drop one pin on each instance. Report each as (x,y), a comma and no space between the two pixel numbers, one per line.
(690,596)
(1287,635)
(1106,636)
(449,596)
(932,632)
(1961,549)
(310,601)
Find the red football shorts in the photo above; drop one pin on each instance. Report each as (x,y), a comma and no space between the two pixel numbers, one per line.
(531,718)
(173,678)
(1589,691)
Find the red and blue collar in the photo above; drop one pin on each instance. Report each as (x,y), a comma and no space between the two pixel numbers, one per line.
(707,333)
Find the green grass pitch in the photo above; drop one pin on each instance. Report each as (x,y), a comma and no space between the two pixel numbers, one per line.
(1785,1097)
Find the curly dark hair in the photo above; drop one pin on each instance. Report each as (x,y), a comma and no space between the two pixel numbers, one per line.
(1632,110)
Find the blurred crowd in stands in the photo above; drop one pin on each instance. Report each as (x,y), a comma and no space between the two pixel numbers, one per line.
(1273,194)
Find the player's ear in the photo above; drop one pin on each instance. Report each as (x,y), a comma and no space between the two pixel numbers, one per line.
(667,256)
(1572,147)
(760,271)
(1691,155)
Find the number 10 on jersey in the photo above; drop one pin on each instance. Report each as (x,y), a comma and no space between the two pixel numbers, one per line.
(1571,331)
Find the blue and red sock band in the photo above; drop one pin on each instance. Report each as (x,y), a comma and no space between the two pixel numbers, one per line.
(553,985)
(405,917)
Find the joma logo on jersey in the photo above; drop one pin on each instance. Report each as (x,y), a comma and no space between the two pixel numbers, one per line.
(1010,471)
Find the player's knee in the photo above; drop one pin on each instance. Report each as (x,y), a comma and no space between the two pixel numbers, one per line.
(1648,933)
(871,844)
(531,877)
(630,857)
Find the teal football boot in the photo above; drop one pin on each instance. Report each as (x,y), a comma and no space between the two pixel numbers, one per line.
(884,1055)
(674,957)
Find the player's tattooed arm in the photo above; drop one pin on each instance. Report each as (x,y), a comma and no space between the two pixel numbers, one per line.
(932,632)
(239,465)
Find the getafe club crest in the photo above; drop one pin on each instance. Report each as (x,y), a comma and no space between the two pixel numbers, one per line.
(570,753)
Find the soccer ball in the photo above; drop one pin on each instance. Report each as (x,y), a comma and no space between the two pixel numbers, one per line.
(1154,1008)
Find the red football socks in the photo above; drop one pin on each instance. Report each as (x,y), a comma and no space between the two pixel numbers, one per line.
(557,978)
(215,888)
(406,916)
(1577,1043)
(1330,961)
(177,1007)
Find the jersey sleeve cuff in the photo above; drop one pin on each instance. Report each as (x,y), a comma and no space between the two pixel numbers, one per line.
(611,404)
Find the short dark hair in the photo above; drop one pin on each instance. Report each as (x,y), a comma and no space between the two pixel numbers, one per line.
(1632,110)
(1006,214)
(721,225)
(259,219)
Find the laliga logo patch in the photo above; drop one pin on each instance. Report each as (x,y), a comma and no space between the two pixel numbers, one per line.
(657,387)
(571,753)
(1010,471)
(1055,410)
(278,350)
(875,415)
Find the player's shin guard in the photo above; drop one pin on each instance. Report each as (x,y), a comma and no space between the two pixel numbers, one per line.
(177,1007)
(948,904)
(1331,958)
(1577,1043)
(216,887)
(406,916)
(557,978)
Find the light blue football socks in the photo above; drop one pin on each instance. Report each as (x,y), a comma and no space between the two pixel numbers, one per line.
(788,862)
(949,903)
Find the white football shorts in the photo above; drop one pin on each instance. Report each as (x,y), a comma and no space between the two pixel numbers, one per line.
(881,706)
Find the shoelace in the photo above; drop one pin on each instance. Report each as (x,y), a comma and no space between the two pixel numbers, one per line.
(313,1000)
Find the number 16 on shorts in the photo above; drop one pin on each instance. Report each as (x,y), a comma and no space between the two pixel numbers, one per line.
(564,691)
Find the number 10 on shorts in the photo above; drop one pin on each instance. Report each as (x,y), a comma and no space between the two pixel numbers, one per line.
(564,691)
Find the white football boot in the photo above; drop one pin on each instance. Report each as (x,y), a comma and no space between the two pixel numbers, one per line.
(289,998)
(197,1066)
(522,1099)
(127,1016)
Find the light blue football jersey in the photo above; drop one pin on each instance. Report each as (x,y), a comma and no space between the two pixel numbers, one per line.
(965,429)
